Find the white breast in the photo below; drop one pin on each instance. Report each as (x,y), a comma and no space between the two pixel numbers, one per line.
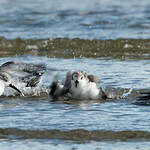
(90,91)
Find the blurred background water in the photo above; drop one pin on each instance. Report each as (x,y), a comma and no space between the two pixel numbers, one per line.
(104,37)
(97,19)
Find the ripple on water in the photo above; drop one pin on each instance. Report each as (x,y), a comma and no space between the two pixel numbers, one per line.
(39,113)
(43,114)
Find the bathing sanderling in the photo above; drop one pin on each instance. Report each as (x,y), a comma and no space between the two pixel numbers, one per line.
(79,85)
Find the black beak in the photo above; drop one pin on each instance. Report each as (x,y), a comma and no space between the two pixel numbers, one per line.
(76,83)
(12,86)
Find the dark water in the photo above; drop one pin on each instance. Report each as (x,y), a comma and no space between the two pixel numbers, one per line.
(107,38)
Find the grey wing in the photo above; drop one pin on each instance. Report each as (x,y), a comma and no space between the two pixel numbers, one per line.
(56,91)
(31,81)
(68,79)
(28,73)
(93,78)
(34,74)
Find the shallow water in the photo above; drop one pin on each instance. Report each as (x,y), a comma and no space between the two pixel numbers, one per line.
(25,117)
(109,39)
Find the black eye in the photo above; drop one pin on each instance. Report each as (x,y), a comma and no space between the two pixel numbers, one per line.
(81,78)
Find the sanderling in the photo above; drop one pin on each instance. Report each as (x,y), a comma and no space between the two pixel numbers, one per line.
(17,72)
(79,85)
